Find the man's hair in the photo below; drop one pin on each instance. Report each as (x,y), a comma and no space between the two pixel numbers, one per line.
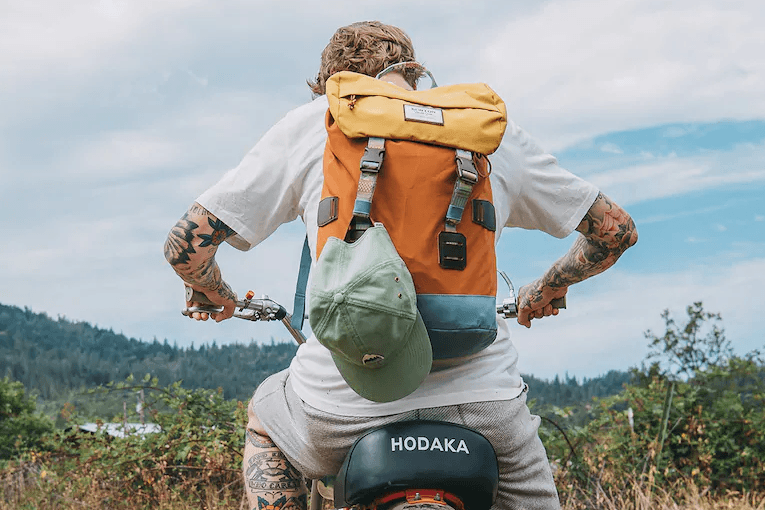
(366,47)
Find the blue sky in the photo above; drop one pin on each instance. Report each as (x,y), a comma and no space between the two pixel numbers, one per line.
(115,115)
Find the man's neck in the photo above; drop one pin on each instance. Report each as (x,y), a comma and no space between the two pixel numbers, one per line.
(397,79)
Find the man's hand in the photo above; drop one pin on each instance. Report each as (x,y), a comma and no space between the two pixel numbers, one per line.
(228,303)
(190,249)
(534,301)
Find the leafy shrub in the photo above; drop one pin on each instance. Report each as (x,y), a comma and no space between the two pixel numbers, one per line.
(20,427)
(706,430)
(195,457)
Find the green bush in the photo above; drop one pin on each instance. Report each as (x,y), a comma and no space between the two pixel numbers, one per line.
(712,436)
(195,457)
(698,417)
(21,428)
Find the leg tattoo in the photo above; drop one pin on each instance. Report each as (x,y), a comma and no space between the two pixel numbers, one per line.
(272,483)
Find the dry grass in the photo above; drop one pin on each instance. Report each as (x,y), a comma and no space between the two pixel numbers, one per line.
(637,496)
(28,487)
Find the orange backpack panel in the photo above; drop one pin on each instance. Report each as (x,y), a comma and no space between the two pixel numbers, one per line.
(413,192)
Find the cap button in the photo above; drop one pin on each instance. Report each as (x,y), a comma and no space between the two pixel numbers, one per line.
(339,298)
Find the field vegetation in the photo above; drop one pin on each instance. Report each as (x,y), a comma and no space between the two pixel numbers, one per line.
(685,431)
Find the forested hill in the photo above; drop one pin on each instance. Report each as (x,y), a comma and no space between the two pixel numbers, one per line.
(53,356)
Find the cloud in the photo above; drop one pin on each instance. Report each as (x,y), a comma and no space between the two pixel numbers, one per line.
(603,327)
(197,139)
(679,131)
(43,38)
(683,214)
(112,272)
(128,152)
(574,76)
(672,175)
(83,40)
(634,63)
(611,148)
(88,67)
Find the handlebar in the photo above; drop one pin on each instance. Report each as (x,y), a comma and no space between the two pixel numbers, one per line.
(266,309)
(263,309)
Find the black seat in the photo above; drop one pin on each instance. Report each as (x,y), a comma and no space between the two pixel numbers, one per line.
(421,455)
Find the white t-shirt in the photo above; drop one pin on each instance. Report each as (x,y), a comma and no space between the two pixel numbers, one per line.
(281,178)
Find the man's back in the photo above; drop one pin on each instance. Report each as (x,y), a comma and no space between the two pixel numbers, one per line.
(272,189)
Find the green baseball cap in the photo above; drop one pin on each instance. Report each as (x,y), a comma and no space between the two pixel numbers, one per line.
(363,308)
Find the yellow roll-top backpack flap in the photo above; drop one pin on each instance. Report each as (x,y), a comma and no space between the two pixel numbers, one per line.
(470,116)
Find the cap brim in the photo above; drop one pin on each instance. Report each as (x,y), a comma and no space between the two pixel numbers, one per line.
(399,376)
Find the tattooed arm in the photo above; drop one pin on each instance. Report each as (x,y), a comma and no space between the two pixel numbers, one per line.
(605,233)
(190,249)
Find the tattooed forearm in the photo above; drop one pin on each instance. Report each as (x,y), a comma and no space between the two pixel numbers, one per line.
(606,232)
(190,248)
(208,276)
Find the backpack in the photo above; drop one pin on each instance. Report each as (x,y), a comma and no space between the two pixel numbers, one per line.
(415,161)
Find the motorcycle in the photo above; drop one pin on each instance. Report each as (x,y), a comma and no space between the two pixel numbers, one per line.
(424,464)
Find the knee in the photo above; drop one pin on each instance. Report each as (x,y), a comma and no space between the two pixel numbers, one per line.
(253,423)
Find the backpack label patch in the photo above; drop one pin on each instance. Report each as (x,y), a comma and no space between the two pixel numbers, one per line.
(427,114)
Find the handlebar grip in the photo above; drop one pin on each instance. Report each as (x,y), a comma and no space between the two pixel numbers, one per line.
(197,297)
(281,313)
(559,302)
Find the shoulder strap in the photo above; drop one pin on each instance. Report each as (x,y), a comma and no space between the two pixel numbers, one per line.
(298,308)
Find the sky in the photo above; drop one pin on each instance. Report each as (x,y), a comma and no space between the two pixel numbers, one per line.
(116,115)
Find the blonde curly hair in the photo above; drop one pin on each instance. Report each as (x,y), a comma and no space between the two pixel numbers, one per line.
(366,47)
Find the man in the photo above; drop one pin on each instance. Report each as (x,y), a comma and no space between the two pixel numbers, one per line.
(304,419)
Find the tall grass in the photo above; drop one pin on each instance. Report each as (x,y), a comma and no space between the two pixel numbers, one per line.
(680,496)
(28,485)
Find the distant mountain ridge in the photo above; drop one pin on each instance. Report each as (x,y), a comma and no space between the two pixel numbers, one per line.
(53,356)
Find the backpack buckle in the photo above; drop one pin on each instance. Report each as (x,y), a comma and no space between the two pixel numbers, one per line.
(374,152)
(466,169)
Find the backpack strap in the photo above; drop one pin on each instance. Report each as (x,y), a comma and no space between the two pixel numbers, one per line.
(467,177)
(370,165)
(298,308)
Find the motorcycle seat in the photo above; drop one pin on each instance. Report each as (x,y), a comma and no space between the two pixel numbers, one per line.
(419,455)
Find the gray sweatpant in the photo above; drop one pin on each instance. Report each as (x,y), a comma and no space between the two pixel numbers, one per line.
(316,442)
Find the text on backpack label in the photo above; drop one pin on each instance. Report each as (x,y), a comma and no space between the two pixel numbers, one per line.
(428,114)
